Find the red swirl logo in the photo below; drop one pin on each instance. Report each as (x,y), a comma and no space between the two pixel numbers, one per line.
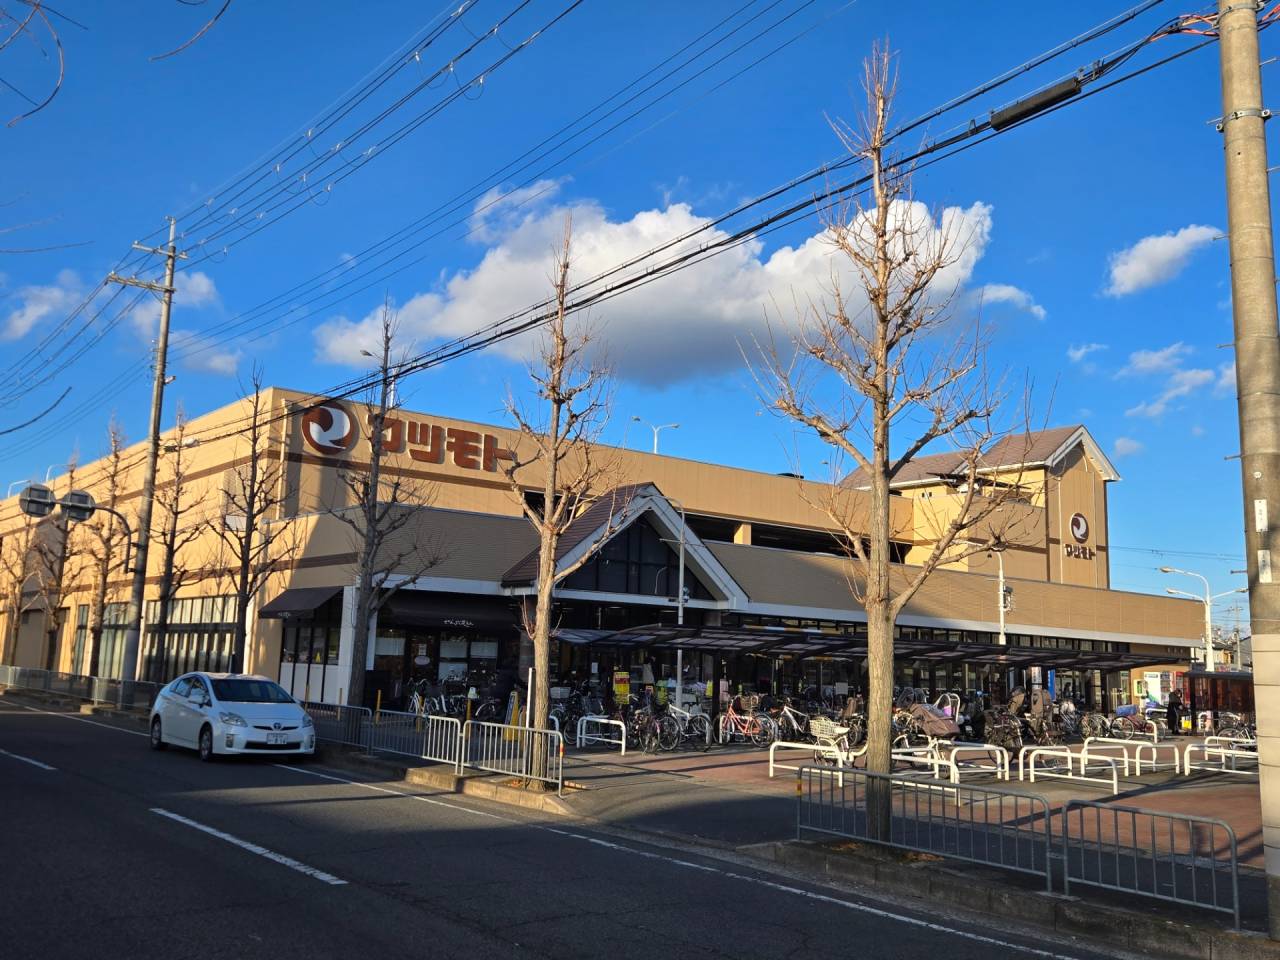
(1079,527)
(329,428)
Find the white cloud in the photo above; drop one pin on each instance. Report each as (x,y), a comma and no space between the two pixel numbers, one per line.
(204,357)
(1226,383)
(1156,259)
(192,290)
(691,324)
(1165,360)
(35,304)
(1180,384)
(1127,447)
(1014,296)
(1198,431)
(1077,353)
(499,211)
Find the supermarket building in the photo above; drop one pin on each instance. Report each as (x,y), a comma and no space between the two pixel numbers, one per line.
(769,603)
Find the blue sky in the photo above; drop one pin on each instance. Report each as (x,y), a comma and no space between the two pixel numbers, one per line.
(1104,283)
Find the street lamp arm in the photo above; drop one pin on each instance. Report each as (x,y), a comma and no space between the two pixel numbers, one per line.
(128,531)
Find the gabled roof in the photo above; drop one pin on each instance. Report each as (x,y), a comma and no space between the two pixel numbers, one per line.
(620,508)
(1038,448)
(582,529)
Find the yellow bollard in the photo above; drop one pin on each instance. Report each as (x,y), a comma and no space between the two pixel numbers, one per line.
(468,710)
(377,709)
(513,716)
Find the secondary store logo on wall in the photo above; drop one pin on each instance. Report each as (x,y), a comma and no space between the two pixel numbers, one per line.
(1079,527)
(1080,532)
(329,428)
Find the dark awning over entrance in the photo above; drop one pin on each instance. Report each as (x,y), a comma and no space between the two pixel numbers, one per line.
(298,602)
(442,611)
(781,641)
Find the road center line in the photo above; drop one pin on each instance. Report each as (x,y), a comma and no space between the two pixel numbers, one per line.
(690,865)
(92,723)
(34,763)
(279,858)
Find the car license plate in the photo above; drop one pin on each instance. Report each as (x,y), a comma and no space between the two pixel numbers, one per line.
(276,738)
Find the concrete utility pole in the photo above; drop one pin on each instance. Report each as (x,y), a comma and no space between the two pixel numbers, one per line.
(133,617)
(1257,347)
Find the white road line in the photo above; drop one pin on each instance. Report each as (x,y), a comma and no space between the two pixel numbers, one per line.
(92,723)
(279,858)
(34,763)
(688,864)
(397,793)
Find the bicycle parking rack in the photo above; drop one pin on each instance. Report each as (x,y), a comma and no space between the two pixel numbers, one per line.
(999,755)
(842,759)
(928,757)
(1132,752)
(585,738)
(1028,756)
(1223,753)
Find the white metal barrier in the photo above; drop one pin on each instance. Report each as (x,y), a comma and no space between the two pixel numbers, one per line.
(585,736)
(525,752)
(928,757)
(957,751)
(1076,766)
(814,750)
(416,735)
(1134,754)
(1223,754)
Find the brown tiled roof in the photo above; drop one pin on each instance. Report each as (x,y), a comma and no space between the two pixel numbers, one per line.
(463,545)
(1020,448)
(582,527)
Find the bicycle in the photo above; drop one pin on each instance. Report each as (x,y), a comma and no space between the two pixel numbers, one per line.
(738,723)
(695,728)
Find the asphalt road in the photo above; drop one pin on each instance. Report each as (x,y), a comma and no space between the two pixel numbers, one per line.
(111,850)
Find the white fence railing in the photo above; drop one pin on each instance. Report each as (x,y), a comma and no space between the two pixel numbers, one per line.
(519,751)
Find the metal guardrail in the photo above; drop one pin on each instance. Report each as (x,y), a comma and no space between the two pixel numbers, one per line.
(519,751)
(337,723)
(420,735)
(1074,766)
(1182,858)
(122,693)
(987,825)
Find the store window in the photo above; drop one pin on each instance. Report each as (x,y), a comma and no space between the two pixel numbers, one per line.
(636,561)
(200,635)
(80,641)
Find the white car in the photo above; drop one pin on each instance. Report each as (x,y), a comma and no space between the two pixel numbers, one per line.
(230,713)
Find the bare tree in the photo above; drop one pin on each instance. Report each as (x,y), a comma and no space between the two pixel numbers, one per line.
(559,438)
(893,355)
(55,570)
(254,542)
(175,533)
(105,541)
(17,547)
(379,511)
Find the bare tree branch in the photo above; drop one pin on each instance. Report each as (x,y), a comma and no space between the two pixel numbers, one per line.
(198,34)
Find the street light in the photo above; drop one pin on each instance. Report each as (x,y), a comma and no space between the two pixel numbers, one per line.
(658,428)
(1207,600)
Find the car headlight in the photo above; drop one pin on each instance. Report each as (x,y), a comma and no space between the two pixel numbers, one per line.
(232,719)
(306,720)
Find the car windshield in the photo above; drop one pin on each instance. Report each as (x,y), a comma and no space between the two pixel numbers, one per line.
(250,691)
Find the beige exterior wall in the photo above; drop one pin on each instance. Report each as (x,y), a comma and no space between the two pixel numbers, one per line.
(311,484)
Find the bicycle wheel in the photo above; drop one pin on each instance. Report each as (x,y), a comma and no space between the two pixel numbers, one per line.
(1123,728)
(1095,725)
(763,731)
(668,733)
(698,730)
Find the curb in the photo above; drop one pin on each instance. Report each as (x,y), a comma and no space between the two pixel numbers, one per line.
(446,780)
(1098,925)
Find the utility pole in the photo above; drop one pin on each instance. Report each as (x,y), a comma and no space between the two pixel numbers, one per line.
(1257,347)
(133,617)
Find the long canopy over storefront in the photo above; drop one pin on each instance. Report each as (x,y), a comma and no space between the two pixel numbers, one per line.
(794,642)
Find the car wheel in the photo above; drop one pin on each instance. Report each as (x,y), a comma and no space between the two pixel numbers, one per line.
(206,744)
(157,740)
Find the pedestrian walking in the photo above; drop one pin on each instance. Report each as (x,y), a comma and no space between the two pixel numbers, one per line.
(1173,712)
